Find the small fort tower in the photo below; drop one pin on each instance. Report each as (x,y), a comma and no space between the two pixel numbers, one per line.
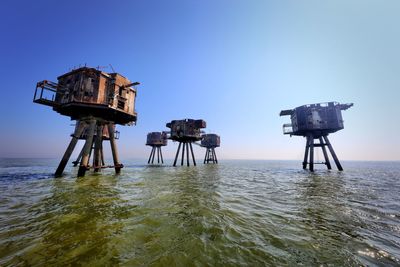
(186,132)
(210,142)
(156,140)
(316,121)
(97,101)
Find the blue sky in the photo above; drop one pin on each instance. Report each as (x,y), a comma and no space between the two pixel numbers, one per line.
(235,64)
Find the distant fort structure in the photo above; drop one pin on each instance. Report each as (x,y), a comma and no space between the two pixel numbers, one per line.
(316,121)
(156,140)
(210,142)
(97,101)
(186,132)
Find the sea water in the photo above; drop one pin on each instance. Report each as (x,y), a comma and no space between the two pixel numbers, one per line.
(236,213)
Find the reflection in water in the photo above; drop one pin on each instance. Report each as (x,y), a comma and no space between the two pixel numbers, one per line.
(326,218)
(79,221)
(238,213)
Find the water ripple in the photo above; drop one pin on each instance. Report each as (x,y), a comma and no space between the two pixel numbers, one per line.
(237,213)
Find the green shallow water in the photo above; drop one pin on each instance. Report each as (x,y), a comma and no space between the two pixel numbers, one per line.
(237,213)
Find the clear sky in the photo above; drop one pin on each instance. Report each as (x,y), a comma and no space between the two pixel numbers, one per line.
(235,64)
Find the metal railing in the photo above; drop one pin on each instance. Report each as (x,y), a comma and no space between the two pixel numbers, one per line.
(287,128)
(45,93)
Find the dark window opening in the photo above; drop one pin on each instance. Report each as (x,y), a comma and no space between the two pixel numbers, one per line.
(121,104)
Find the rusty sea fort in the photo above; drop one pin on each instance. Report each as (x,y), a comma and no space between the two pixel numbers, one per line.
(235,213)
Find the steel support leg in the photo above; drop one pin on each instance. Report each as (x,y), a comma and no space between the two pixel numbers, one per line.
(86,149)
(335,158)
(70,149)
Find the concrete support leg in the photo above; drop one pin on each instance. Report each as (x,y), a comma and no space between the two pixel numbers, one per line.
(97,149)
(86,149)
(154,154)
(162,160)
(78,159)
(306,153)
(327,163)
(205,157)
(151,154)
(191,150)
(215,156)
(335,158)
(187,154)
(311,153)
(103,163)
(183,153)
(70,149)
(177,154)
(158,155)
(114,150)
(91,148)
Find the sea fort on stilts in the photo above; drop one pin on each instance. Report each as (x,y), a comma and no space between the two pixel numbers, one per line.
(97,101)
(316,121)
(210,142)
(156,140)
(186,132)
